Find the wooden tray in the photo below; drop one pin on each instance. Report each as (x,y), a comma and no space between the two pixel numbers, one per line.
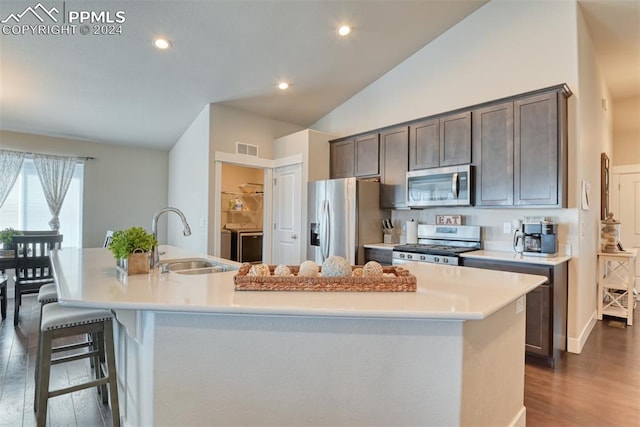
(403,282)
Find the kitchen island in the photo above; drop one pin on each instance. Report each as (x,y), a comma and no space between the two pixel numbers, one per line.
(193,351)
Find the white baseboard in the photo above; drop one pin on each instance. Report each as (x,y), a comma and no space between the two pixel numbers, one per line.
(575,345)
(520,420)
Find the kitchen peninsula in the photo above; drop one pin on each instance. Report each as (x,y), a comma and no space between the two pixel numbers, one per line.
(192,350)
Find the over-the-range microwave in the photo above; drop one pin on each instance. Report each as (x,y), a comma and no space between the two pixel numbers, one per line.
(448,186)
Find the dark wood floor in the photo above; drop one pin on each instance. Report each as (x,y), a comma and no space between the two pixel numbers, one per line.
(18,348)
(599,387)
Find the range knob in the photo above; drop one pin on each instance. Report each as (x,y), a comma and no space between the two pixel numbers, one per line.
(436,259)
(445,260)
(401,255)
(423,258)
(409,256)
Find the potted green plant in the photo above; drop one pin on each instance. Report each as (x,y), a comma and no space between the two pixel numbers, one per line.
(131,248)
(6,238)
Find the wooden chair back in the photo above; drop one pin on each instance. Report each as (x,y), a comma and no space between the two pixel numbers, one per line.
(32,256)
(38,232)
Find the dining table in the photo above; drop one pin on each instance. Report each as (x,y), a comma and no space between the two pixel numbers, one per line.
(7,260)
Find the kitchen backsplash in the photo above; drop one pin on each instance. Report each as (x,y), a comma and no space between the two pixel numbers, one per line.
(492,222)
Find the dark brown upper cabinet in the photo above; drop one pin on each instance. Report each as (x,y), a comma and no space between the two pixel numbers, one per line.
(493,154)
(367,154)
(445,141)
(394,154)
(342,159)
(536,150)
(355,156)
(520,151)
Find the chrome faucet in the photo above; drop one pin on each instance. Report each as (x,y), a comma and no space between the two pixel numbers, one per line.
(155,255)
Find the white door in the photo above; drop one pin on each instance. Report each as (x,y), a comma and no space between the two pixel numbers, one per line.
(287,213)
(629,217)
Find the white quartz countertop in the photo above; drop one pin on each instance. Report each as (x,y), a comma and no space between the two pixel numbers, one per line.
(384,246)
(515,257)
(88,278)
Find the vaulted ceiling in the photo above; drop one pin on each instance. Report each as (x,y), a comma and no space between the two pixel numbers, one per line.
(118,88)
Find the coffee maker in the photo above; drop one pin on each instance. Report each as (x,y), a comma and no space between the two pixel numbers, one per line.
(536,236)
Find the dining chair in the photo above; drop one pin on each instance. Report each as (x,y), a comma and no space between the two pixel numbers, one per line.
(32,264)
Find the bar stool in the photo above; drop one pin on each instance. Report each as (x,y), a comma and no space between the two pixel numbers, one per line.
(59,322)
(3,295)
(46,295)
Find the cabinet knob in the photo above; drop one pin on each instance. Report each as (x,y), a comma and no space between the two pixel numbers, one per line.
(294,236)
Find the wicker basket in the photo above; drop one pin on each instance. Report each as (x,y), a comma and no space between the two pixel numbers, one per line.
(402,282)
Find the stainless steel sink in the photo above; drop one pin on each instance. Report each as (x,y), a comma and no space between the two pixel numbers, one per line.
(195,266)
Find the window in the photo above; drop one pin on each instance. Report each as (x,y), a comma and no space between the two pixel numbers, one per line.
(27,209)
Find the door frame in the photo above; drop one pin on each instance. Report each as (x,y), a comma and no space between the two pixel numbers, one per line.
(268,166)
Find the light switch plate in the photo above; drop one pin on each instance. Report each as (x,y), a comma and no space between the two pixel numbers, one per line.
(520,305)
(506,228)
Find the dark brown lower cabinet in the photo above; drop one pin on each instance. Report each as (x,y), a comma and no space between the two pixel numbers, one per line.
(383,256)
(546,323)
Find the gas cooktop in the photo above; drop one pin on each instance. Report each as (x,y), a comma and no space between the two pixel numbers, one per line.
(432,249)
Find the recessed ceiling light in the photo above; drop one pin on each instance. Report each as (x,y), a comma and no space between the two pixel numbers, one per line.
(283,85)
(344,30)
(162,43)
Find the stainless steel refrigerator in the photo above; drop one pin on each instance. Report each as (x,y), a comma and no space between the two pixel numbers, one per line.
(343,215)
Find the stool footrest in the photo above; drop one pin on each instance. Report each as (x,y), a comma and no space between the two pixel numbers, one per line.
(65,359)
(78,387)
(68,347)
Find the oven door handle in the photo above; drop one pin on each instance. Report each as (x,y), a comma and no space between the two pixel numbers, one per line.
(454,185)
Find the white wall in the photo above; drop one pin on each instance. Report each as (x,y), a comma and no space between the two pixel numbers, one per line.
(593,136)
(188,185)
(503,49)
(122,187)
(626,131)
(228,126)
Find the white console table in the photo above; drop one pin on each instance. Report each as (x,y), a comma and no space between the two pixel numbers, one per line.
(616,275)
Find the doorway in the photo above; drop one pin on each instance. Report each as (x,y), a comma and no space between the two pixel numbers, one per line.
(625,204)
(267,168)
(241,213)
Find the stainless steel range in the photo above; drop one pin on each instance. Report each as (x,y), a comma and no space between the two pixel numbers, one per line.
(440,244)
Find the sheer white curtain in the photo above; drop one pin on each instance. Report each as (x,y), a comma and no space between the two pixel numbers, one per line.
(55,174)
(10,164)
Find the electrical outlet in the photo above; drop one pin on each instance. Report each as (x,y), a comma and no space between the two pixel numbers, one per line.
(520,305)
(506,228)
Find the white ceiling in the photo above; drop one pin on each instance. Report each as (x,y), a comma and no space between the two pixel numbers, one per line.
(119,89)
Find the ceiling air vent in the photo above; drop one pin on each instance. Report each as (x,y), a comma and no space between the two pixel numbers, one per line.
(246,149)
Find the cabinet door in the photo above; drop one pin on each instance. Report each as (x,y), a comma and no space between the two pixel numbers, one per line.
(342,155)
(493,150)
(394,158)
(540,313)
(383,256)
(538,329)
(367,150)
(455,139)
(536,150)
(424,145)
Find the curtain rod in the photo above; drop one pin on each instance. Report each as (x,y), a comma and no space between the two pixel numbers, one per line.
(30,153)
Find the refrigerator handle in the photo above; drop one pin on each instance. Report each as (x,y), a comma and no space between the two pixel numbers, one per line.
(324,231)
